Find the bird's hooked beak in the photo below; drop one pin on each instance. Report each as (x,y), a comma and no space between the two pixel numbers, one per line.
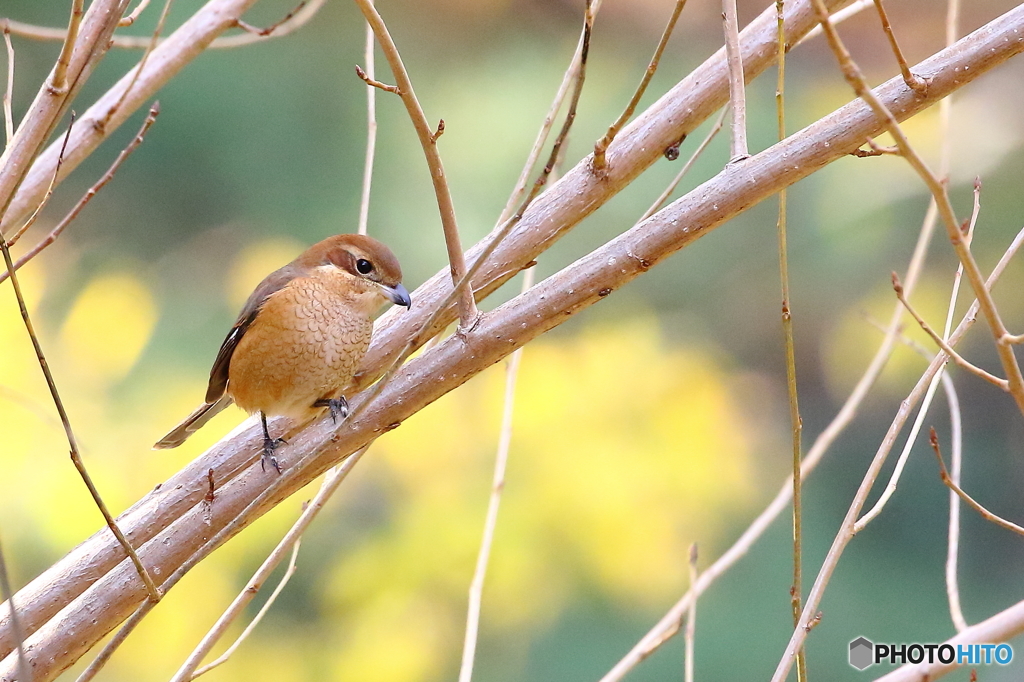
(398,295)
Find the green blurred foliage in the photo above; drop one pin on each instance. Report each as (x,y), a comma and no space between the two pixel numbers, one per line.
(653,421)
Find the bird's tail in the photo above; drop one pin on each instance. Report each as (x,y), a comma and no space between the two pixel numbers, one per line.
(192,423)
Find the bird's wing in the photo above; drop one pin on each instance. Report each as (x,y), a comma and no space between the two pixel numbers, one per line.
(274,282)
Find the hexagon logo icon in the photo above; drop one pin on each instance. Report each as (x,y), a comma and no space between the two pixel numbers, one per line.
(861,650)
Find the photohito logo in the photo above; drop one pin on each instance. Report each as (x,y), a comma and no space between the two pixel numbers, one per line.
(864,653)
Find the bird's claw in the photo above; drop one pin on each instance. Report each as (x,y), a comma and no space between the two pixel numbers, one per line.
(269,446)
(338,407)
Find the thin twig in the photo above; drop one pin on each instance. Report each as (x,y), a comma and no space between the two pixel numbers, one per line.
(154,111)
(660,201)
(9,90)
(130,19)
(102,123)
(570,77)
(691,619)
(846,532)
(7,594)
(601,146)
(468,313)
(737,95)
(288,573)
(476,587)
(49,190)
(371,133)
(283,28)
(913,82)
(853,76)
(369,80)
(60,71)
(264,32)
(948,480)
(956,612)
(796,423)
(956,357)
(76,458)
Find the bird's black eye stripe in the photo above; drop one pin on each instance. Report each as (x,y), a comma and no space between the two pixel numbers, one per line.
(364,267)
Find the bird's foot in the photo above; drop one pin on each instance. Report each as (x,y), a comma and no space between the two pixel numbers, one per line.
(269,446)
(338,406)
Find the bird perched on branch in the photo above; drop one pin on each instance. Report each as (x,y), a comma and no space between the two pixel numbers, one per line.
(301,337)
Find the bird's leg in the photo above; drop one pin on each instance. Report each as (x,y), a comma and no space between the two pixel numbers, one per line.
(269,445)
(339,407)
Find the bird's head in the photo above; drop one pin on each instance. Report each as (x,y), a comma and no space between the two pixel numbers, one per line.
(368,266)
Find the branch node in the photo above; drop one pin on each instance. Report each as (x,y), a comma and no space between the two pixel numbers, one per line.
(439,132)
(265,32)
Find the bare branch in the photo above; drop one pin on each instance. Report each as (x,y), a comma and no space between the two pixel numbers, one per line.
(377,84)
(737,92)
(852,74)
(455,360)
(601,146)
(289,542)
(154,111)
(468,313)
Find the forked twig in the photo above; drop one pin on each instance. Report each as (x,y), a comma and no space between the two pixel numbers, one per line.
(468,313)
(154,111)
(948,480)
(914,82)
(601,146)
(853,75)
(953,355)
(369,80)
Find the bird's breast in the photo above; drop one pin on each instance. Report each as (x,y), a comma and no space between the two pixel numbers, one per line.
(306,343)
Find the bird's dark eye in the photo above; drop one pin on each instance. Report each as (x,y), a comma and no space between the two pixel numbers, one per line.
(364,266)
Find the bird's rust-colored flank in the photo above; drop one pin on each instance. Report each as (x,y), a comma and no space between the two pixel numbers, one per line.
(301,336)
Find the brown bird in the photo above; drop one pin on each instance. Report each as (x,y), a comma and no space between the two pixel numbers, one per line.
(301,337)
